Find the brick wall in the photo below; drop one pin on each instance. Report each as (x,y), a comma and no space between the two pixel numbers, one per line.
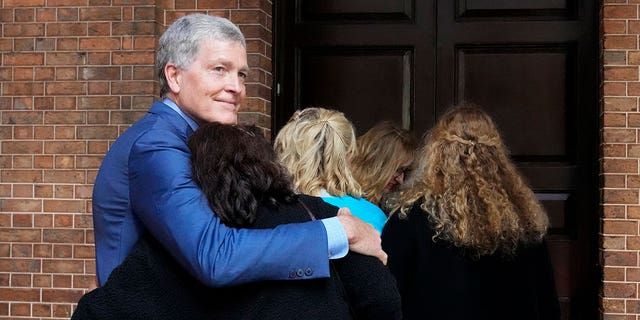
(620,118)
(73,75)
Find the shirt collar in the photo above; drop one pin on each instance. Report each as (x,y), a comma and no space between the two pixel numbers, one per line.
(194,126)
(324,194)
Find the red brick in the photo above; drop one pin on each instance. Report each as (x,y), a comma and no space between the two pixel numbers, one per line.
(100,14)
(41,310)
(61,295)
(62,266)
(63,176)
(24,3)
(66,29)
(614,26)
(132,87)
(620,227)
(135,58)
(23,59)
(619,135)
(619,290)
(621,73)
(619,12)
(620,165)
(20,309)
(64,147)
(18,265)
(22,250)
(21,205)
(21,280)
(144,43)
(614,273)
(133,28)
(65,88)
(634,150)
(42,250)
(43,162)
(633,181)
(23,89)
(61,281)
(614,181)
(610,89)
(84,252)
(99,29)
(82,281)
(633,89)
(19,235)
(62,251)
(64,133)
(613,242)
(621,42)
(633,274)
(63,162)
(613,305)
(42,280)
(621,258)
(62,311)
(63,235)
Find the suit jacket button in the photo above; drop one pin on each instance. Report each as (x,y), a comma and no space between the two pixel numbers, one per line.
(300,273)
(292,274)
(308,272)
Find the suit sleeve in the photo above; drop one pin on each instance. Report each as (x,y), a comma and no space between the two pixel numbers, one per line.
(176,212)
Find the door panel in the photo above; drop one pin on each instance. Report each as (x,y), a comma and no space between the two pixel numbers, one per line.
(532,101)
(531,64)
(359,93)
(330,50)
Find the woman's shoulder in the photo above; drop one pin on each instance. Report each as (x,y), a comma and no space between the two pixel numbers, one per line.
(410,214)
(353,203)
(320,208)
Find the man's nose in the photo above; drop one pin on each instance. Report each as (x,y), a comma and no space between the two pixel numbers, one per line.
(234,83)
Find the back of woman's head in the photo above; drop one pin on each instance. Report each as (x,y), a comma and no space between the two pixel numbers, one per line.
(315,146)
(381,152)
(473,193)
(237,169)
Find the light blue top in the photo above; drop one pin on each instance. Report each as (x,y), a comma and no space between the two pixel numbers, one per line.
(360,208)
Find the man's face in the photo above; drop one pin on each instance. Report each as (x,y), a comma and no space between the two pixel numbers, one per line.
(212,87)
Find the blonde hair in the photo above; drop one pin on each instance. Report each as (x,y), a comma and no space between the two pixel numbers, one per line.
(315,146)
(473,193)
(381,151)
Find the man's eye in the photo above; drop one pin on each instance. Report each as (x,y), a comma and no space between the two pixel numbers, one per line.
(219,69)
(243,75)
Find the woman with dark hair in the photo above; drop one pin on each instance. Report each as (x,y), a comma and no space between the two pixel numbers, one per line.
(467,239)
(238,171)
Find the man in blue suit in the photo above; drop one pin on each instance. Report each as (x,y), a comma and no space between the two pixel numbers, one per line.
(145,184)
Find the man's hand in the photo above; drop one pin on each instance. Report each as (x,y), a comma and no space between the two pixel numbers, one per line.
(363,237)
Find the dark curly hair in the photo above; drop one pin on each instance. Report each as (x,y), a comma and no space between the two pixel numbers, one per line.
(237,169)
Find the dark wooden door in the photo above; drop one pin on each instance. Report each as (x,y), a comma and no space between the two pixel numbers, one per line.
(531,64)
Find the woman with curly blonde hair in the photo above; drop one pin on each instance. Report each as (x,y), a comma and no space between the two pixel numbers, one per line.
(383,156)
(316,146)
(466,241)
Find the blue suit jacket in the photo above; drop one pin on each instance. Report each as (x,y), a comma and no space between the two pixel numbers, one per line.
(145,185)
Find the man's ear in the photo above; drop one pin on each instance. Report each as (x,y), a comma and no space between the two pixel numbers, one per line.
(172,74)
